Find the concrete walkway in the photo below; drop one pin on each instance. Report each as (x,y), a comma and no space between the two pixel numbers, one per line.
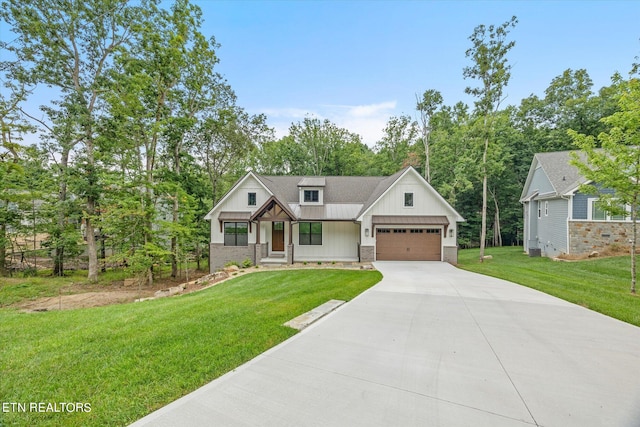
(432,345)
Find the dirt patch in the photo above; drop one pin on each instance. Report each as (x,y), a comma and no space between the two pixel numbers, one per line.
(84,296)
(607,252)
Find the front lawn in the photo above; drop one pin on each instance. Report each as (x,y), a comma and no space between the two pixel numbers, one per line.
(599,284)
(127,360)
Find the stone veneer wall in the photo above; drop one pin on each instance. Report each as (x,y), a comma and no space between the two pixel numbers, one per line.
(367,253)
(588,236)
(450,254)
(219,254)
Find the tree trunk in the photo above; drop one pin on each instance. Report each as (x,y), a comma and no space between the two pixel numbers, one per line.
(176,206)
(497,232)
(483,230)
(3,251)
(427,160)
(58,259)
(634,218)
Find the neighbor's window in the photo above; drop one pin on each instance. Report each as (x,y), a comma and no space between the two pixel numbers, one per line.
(598,213)
(546,208)
(311,195)
(408,200)
(310,233)
(252,199)
(539,209)
(236,234)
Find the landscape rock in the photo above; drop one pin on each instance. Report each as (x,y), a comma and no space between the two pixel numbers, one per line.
(232,269)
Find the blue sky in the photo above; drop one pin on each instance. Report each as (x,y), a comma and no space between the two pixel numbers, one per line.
(359,62)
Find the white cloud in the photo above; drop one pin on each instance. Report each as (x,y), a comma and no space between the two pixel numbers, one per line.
(367,120)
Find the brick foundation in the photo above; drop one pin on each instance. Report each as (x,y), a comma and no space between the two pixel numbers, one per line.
(450,254)
(219,255)
(367,253)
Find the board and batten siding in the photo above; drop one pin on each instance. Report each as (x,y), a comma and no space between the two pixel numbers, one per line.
(339,243)
(552,228)
(237,201)
(424,203)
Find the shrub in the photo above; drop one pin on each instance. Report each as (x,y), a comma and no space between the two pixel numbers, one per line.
(247,263)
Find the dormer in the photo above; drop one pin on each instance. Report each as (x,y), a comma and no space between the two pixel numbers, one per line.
(311,190)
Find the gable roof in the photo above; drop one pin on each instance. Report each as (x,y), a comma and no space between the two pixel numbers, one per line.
(345,197)
(386,185)
(563,176)
(337,189)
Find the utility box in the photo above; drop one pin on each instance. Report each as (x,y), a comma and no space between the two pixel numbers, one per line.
(535,252)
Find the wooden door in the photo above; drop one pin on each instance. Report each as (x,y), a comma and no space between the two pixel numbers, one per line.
(277,236)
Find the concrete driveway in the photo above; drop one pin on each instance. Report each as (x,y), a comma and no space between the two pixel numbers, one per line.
(432,345)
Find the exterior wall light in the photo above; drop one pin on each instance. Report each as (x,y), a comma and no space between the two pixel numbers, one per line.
(366,232)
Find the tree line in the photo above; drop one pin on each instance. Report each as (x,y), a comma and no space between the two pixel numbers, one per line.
(146,136)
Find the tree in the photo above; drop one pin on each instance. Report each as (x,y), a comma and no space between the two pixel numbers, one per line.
(70,46)
(427,106)
(489,55)
(393,149)
(617,165)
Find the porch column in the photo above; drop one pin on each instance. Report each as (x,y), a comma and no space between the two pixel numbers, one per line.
(290,246)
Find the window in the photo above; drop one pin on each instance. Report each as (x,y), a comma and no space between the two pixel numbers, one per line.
(408,200)
(310,233)
(236,234)
(546,208)
(539,209)
(251,199)
(598,213)
(311,195)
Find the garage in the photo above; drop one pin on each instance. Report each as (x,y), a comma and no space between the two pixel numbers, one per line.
(409,238)
(408,244)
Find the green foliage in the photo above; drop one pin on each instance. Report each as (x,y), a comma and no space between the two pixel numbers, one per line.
(617,164)
(247,263)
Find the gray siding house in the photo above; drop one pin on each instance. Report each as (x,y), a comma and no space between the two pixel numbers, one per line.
(286,219)
(559,218)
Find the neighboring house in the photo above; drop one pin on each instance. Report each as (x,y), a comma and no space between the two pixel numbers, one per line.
(336,218)
(559,218)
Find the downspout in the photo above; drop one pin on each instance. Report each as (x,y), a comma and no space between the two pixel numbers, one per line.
(569,200)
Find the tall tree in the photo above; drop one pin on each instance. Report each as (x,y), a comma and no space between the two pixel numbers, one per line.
(399,136)
(70,45)
(427,105)
(617,165)
(489,56)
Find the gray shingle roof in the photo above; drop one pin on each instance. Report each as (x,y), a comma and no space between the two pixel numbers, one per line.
(338,189)
(562,175)
(358,191)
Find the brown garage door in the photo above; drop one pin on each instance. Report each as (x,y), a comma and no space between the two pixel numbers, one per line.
(408,244)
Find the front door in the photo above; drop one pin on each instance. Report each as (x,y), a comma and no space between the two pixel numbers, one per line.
(277,236)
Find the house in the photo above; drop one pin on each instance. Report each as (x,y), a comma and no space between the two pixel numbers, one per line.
(559,218)
(286,219)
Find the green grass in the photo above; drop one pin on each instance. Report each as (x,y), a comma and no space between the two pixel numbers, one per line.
(19,288)
(129,360)
(601,285)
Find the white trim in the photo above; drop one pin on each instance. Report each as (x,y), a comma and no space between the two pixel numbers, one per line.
(209,216)
(441,199)
(607,216)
